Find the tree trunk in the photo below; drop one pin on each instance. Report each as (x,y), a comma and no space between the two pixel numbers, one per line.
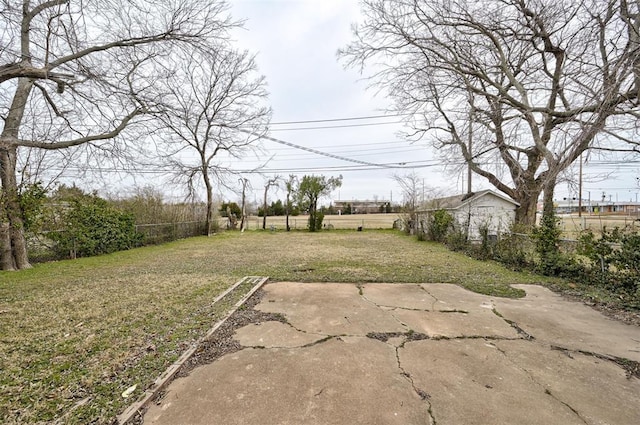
(264,208)
(6,256)
(243,209)
(312,215)
(526,212)
(287,213)
(547,200)
(13,247)
(209,221)
(14,244)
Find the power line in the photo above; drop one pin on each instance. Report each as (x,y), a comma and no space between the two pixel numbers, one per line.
(338,119)
(358,153)
(342,169)
(329,155)
(407,165)
(335,126)
(367,145)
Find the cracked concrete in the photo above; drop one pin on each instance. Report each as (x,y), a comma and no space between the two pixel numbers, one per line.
(414,354)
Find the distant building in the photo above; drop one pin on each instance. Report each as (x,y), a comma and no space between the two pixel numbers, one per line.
(358,206)
(473,210)
(571,205)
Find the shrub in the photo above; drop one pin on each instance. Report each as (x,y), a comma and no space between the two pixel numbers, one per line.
(484,251)
(599,251)
(547,240)
(626,261)
(456,240)
(92,227)
(32,199)
(440,224)
(234,208)
(315,221)
(512,251)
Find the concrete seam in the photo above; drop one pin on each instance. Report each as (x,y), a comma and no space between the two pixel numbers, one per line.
(166,377)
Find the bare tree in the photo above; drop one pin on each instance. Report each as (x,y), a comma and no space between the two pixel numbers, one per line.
(272,182)
(290,185)
(76,73)
(214,108)
(532,83)
(243,208)
(414,192)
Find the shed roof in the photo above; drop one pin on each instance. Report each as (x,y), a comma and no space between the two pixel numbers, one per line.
(457,201)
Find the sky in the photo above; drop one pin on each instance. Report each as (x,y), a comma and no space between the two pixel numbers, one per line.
(334,111)
(296,42)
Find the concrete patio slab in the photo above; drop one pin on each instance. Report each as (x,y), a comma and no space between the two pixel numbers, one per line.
(329,383)
(471,382)
(437,324)
(327,308)
(358,354)
(557,321)
(274,335)
(590,394)
(391,295)
(452,297)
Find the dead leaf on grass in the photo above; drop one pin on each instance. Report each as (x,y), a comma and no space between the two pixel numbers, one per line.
(127,393)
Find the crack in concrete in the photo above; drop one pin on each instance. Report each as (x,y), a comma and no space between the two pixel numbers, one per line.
(631,367)
(395,307)
(320,341)
(364,297)
(424,396)
(539,384)
(285,321)
(409,336)
(432,418)
(433,304)
(575,412)
(485,337)
(524,334)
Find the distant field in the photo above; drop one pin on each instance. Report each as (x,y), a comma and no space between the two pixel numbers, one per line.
(572,225)
(367,221)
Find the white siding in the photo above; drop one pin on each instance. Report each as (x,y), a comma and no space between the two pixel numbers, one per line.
(489,209)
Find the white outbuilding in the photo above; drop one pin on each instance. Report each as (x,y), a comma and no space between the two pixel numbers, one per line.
(474,210)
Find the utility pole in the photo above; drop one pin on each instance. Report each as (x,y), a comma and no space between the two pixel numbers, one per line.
(580,189)
(243,219)
(469,172)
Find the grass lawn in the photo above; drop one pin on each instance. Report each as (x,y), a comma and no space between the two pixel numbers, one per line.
(75,334)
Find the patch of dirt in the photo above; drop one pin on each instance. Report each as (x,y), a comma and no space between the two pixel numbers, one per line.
(630,317)
(409,336)
(222,342)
